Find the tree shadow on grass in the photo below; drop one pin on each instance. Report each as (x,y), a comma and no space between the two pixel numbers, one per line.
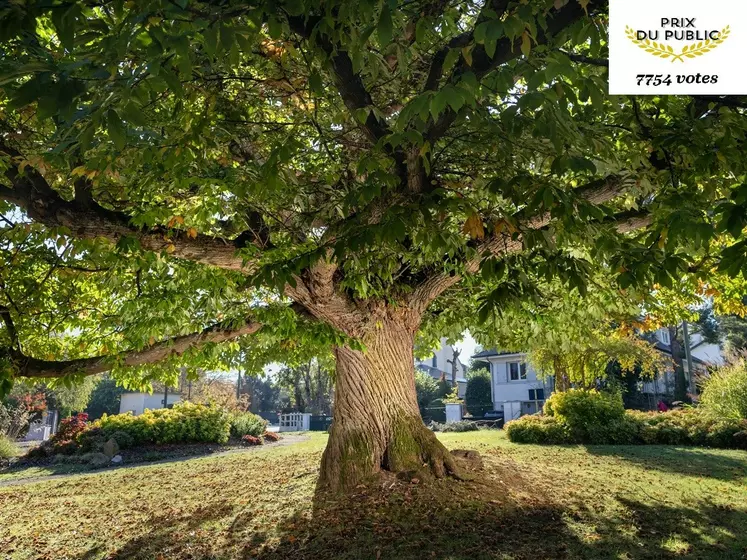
(500,515)
(689,461)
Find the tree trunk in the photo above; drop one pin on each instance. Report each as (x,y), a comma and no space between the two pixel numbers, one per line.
(377,425)
(678,354)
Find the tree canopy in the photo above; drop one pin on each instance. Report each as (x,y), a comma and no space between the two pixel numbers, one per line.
(180,174)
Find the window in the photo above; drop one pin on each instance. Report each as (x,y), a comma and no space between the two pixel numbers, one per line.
(516,371)
(536,394)
(434,361)
(664,336)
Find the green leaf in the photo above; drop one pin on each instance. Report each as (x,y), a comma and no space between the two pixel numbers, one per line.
(384,29)
(116,129)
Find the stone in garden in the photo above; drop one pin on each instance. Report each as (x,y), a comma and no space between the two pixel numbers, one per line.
(117,459)
(111,448)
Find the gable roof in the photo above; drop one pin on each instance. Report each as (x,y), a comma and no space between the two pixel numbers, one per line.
(493,352)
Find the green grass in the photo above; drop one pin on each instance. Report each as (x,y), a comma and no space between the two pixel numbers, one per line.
(529,502)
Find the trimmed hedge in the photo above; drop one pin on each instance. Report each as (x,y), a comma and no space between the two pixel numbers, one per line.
(186,422)
(676,427)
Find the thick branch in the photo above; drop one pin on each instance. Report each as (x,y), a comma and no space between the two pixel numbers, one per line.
(348,82)
(33,367)
(86,219)
(9,325)
(505,244)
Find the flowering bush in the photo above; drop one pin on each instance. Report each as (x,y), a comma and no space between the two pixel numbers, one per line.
(186,422)
(251,440)
(271,436)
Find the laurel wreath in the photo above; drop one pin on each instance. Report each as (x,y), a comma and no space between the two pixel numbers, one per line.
(664,50)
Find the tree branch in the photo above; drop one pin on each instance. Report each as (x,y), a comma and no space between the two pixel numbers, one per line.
(87,219)
(504,243)
(32,367)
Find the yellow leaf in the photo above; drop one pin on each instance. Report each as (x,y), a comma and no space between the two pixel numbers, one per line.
(78,171)
(474,227)
(467,54)
(151,341)
(192,233)
(526,43)
(170,248)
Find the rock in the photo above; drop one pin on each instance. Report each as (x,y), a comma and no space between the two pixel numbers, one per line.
(96,459)
(117,459)
(111,448)
(468,458)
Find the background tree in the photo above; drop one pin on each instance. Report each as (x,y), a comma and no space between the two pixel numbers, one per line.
(478,396)
(339,175)
(426,390)
(105,398)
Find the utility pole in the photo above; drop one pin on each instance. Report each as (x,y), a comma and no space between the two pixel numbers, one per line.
(238,386)
(689,358)
(165,396)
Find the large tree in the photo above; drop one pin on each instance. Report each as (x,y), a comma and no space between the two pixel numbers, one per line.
(180,174)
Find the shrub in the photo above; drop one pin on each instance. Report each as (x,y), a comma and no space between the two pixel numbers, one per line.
(8,448)
(537,429)
(14,420)
(676,427)
(271,436)
(477,396)
(251,440)
(725,392)
(463,426)
(65,440)
(586,413)
(246,423)
(426,389)
(186,422)
(124,439)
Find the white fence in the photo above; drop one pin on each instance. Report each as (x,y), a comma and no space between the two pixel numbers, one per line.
(295,422)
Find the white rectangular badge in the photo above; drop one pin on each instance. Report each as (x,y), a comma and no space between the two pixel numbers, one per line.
(671,47)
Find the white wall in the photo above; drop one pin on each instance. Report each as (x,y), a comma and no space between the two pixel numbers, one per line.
(444,354)
(505,390)
(709,353)
(138,402)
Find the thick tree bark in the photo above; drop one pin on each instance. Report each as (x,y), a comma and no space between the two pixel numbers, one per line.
(377,425)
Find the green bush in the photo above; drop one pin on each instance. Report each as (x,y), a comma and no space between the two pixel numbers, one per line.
(537,429)
(586,413)
(676,427)
(247,424)
(186,422)
(8,448)
(725,392)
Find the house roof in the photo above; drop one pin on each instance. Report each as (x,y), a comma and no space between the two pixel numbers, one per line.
(493,352)
(667,349)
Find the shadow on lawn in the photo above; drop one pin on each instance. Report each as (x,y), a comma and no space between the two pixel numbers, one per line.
(503,517)
(689,461)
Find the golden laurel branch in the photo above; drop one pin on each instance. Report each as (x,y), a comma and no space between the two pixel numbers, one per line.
(664,50)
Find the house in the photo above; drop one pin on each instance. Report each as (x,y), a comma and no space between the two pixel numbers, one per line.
(515,387)
(137,402)
(704,355)
(439,365)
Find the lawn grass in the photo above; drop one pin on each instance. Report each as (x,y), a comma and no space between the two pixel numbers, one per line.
(528,502)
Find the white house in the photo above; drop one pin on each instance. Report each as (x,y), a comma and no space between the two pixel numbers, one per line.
(704,355)
(439,365)
(515,386)
(137,402)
